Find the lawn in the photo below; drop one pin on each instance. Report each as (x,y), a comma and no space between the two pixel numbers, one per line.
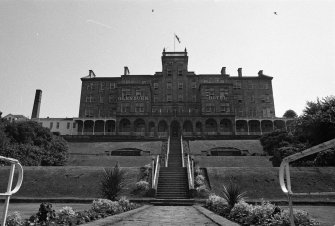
(108,161)
(263,182)
(64,182)
(253,146)
(233,161)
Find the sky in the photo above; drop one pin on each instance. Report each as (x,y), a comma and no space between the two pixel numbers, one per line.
(50,45)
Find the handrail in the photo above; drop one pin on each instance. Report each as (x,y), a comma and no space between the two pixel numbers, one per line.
(10,192)
(189,173)
(155,179)
(284,170)
(167,153)
(182,151)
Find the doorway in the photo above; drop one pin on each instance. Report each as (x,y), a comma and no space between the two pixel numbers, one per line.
(175,129)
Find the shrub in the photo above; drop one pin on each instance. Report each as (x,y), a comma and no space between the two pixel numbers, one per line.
(325,158)
(202,191)
(300,218)
(113,182)
(217,204)
(142,185)
(14,219)
(45,215)
(124,203)
(232,193)
(199,180)
(65,214)
(240,212)
(105,206)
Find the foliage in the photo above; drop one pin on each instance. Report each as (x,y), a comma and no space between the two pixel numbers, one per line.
(14,219)
(317,123)
(142,185)
(325,158)
(276,139)
(106,206)
(113,182)
(202,191)
(282,152)
(199,180)
(65,214)
(145,173)
(232,193)
(217,204)
(45,215)
(290,114)
(32,144)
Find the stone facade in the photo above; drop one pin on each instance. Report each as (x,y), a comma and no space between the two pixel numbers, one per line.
(176,100)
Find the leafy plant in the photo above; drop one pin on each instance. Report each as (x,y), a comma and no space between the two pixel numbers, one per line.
(113,182)
(232,193)
(14,219)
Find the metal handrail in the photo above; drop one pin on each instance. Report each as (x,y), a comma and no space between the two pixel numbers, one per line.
(10,192)
(190,173)
(155,179)
(167,153)
(182,151)
(284,171)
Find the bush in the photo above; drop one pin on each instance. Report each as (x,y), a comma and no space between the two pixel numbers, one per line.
(105,206)
(300,218)
(199,180)
(113,182)
(142,185)
(232,193)
(325,158)
(14,219)
(202,191)
(217,204)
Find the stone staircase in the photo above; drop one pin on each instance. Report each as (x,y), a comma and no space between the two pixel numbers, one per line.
(172,188)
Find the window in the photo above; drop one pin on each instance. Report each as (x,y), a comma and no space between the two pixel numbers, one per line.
(102,86)
(237,85)
(169,85)
(194,85)
(139,107)
(180,97)
(266,86)
(138,93)
(210,108)
(125,93)
(57,125)
(155,85)
(194,98)
(169,72)
(169,98)
(155,98)
(112,85)
(223,93)
(252,98)
(250,85)
(180,72)
(68,125)
(125,108)
(224,107)
(74,125)
(101,99)
(267,98)
(111,99)
(180,85)
(51,125)
(90,86)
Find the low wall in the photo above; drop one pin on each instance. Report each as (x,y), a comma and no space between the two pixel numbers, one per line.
(63,182)
(108,161)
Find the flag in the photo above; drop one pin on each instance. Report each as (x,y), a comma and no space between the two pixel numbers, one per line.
(177,38)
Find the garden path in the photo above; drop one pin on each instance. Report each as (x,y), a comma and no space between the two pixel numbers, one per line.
(167,215)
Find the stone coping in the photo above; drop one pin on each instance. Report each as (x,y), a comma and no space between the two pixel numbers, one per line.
(214,217)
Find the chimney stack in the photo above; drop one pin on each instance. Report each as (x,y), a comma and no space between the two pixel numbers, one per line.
(260,73)
(91,74)
(223,71)
(126,71)
(37,104)
(239,70)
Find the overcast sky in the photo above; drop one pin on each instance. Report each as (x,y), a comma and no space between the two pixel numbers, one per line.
(50,45)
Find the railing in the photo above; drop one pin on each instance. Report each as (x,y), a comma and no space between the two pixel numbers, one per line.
(124,133)
(142,134)
(167,153)
(162,134)
(10,192)
(190,172)
(182,151)
(284,171)
(155,172)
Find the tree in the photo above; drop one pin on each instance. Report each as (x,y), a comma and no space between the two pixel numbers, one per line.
(113,182)
(290,114)
(317,123)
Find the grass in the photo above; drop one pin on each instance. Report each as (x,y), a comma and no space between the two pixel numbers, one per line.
(253,146)
(154,147)
(64,182)
(262,182)
(106,161)
(233,161)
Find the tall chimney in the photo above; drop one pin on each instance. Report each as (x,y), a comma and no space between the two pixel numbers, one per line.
(126,71)
(37,104)
(239,70)
(223,71)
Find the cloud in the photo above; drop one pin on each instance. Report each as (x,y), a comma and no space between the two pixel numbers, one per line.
(99,23)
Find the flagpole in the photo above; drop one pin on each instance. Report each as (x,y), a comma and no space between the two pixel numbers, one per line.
(174,43)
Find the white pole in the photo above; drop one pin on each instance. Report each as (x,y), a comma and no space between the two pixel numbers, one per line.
(9,188)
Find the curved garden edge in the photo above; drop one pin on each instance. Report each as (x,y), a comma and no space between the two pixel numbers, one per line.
(116,218)
(215,217)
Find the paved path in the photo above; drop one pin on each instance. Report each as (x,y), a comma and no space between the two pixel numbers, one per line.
(168,215)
